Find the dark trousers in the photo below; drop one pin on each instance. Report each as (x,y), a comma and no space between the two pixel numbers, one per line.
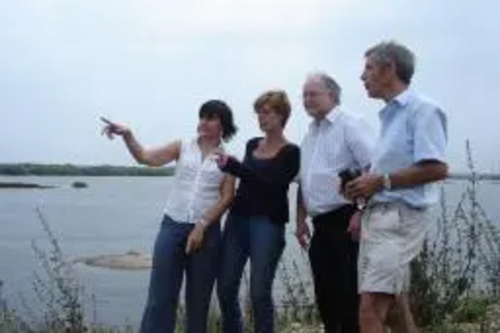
(258,239)
(170,265)
(333,256)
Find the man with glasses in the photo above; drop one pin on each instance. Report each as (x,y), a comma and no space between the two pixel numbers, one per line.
(337,140)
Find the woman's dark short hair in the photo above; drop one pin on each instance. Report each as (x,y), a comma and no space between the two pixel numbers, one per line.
(219,109)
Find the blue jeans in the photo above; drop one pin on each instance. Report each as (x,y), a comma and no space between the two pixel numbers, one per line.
(262,241)
(170,262)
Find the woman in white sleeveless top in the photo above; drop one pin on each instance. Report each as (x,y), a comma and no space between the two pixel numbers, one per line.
(189,239)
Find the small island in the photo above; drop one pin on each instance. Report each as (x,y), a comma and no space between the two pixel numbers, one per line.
(63,170)
(79,184)
(33,169)
(19,185)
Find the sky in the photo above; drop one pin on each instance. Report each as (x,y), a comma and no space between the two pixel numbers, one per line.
(150,64)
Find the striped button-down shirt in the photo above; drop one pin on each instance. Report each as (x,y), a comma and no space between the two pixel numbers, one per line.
(339,141)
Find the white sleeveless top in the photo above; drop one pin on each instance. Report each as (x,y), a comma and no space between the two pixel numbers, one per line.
(196,184)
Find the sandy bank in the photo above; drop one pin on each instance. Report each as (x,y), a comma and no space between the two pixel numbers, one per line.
(130,260)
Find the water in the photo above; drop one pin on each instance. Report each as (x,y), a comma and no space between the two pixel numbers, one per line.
(112,216)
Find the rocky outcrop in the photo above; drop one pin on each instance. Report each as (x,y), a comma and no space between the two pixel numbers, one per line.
(16,185)
(302,328)
(491,322)
(79,184)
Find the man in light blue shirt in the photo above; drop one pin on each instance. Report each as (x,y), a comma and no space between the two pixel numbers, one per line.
(408,159)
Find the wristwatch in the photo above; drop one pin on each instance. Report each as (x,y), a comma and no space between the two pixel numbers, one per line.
(386,182)
(203,222)
(360,204)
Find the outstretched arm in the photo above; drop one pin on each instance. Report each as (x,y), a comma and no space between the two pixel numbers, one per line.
(151,157)
(289,168)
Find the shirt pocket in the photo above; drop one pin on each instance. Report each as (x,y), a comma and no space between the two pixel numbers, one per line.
(395,150)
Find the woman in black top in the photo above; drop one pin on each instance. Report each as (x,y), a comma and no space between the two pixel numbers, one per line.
(255,227)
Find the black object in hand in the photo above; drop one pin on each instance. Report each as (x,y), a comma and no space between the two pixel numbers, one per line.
(346,176)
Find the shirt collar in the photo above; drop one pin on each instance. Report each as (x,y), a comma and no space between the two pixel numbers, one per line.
(400,100)
(403,98)
(220,148)
(330,117)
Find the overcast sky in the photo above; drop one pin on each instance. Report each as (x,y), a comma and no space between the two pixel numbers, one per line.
(150,64)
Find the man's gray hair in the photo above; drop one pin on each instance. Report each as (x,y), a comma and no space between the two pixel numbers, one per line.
(329,83)
(392,52)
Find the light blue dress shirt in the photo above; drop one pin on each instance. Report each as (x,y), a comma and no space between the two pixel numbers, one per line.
(413,129)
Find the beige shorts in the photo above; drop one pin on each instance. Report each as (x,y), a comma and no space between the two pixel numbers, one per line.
(392,235)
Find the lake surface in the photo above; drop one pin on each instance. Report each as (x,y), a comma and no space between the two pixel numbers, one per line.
(112,216)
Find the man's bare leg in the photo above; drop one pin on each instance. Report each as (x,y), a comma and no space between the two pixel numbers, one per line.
(400,318)
(373,311)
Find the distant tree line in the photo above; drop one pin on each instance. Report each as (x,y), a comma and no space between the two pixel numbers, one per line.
(32,169)
(478,176)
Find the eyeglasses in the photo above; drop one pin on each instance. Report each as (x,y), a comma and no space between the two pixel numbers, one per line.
(314,94)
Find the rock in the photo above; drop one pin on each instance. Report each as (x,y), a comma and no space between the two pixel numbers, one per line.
(79,185)
(491,322)
(468,328)
(296,327)
(23,185)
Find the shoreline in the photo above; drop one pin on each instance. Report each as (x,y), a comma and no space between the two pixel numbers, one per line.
(20,185)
